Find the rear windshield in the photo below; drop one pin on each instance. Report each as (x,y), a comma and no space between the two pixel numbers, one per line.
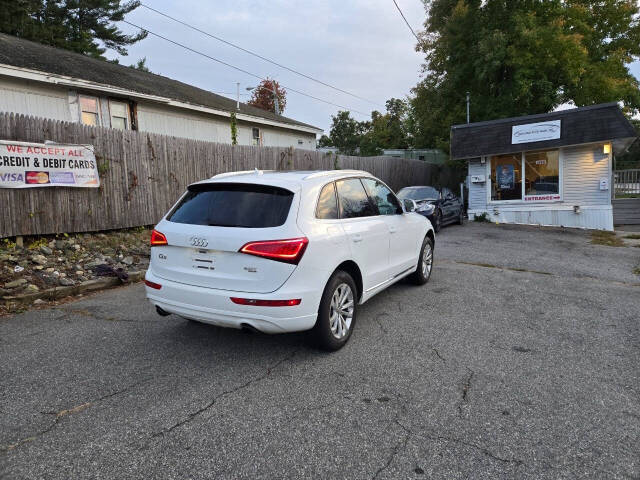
(233,205)
(419,193)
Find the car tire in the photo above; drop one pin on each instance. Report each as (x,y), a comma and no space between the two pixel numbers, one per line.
(461,217)
(437,221)
(337,312)
(425,263)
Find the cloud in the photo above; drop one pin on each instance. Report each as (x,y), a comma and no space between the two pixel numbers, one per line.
(360,46)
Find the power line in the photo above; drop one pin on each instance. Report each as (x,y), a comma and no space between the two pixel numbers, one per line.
(405,20)
(238,68)
(259,56)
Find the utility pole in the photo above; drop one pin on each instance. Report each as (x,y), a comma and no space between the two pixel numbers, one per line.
(238,96)
(468,99)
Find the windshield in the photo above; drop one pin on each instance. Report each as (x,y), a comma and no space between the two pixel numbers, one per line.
(419,193)
(233,205)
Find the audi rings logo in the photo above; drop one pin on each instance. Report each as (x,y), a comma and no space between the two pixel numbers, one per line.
(199,242)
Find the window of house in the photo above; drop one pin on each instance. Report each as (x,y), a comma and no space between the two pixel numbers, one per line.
(255,136)
(506,177)
(119,112)
(542,175)
(89,111)
(529,176)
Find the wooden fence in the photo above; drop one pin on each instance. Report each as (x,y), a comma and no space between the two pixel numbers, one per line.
(143,174)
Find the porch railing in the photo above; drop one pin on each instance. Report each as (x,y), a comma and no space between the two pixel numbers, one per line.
(626,183)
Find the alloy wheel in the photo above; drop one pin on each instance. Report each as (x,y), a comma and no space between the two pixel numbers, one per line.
(427,260)
(341,311)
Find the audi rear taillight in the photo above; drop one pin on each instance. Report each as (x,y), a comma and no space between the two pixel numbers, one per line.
(266,303)
(158,239)
(288,251)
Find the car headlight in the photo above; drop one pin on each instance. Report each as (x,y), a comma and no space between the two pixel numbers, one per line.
(426,208)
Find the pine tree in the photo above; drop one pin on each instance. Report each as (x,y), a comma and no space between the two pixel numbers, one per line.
(83,26)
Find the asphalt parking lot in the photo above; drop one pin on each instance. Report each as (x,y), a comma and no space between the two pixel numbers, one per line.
(520,359)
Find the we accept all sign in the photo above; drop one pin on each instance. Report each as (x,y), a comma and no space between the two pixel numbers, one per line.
(28,165)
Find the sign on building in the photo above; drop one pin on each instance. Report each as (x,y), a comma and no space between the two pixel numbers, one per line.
(28,165)
(535,132)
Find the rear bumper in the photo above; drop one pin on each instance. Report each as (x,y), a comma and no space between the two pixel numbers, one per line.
(214,306)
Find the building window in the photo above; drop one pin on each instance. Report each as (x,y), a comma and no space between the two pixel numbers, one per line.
(529,176)
(255,136)
(119,113)
(89,111)
(506,177)
(541,174)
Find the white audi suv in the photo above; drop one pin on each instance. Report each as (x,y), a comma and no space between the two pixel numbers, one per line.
(285,251)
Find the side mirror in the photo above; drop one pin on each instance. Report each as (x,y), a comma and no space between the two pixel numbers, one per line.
(409,205)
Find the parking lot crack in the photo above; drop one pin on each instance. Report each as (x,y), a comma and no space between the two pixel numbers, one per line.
(223,394)
(464,443)
(59,415)
(466,386)
(400,446)
(435,350)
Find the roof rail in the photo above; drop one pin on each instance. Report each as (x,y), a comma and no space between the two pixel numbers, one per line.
(325,173)
(242,172)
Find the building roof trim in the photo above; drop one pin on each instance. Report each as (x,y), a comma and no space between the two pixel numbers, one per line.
(592,124)
(67,81)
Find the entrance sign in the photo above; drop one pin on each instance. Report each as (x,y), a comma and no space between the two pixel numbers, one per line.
(535,132)
(28,165)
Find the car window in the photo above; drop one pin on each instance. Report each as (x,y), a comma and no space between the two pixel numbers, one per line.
(419,193)
(327,203)
(354,201)
(233,205)
(382,197)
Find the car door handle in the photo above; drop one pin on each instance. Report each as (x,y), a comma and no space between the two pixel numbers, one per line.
(356,238)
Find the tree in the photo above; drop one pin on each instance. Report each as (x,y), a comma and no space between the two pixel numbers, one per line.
(325,141)
(82,26)
(345,133)
(262,96)
(370,137)
(522,57)
(631,158)
(141,65)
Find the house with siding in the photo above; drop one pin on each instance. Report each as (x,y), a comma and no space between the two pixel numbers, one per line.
(57,84)
(548,169)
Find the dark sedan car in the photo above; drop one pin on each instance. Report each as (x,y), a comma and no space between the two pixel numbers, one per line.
(441,207)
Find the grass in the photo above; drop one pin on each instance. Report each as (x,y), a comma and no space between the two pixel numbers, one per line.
(609,239)
(633,236)
(627,195)
(482,217)
(636,271)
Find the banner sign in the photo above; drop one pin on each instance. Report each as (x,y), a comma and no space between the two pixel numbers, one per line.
(28,165)
(535,132)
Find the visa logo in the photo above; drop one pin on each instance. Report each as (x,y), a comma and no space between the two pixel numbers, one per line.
(11,177)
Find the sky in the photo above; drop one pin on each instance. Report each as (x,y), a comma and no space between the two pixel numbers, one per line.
(360,46)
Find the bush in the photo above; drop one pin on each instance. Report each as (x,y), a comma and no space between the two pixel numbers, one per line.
(481,218)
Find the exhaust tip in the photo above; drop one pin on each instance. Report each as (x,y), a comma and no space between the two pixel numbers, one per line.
(246,328)
(162,312)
